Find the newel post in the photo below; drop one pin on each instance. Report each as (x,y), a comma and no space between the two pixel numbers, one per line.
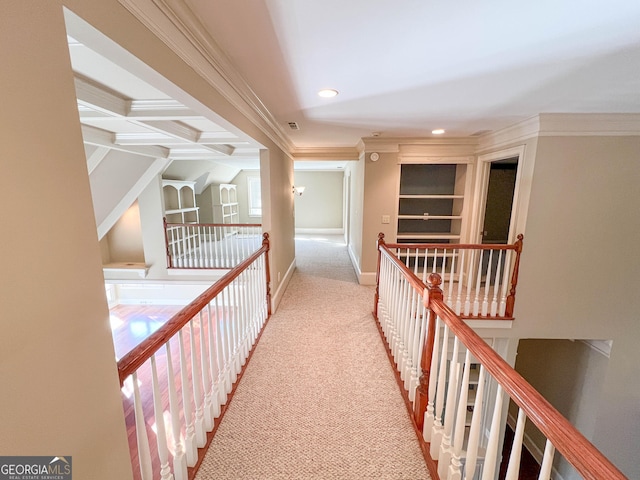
(432,293)
(377,294)
(511,299)
(166,243)
(265,243)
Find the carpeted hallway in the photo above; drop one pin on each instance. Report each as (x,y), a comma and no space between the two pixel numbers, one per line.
(319,399)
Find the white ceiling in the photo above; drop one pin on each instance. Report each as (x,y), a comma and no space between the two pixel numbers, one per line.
(402,69)
(406,67)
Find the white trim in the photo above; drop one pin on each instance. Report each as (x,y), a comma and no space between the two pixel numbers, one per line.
(367,278)
(603,347)
(320,231)
(482,184)
(173,22)
(157,167)
(276,297)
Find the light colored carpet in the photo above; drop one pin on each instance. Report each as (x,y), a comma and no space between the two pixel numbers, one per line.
(318,399)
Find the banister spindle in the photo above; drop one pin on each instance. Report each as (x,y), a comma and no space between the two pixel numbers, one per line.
(444,456)
(458,306)
(474,431)
(487,284)
(142,439)
(516,450)
(427,429)
(191,447)
(197,389)
(436,435)
(547,461)
(491,455)
(207,384)
(496,286)
(161,434)
(467,300)
(454,471)
(179,459)
(476,300)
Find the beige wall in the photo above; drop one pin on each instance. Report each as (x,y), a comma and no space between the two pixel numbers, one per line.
(125,237)
(579,276)
(321,206)
(570,375)
(60,393)
(381,180)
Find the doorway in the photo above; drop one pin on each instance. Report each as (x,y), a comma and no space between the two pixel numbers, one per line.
(499,201)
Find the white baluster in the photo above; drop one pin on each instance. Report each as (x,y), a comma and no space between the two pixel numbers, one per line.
(443,274)
(516,450)
(467,300)
(144,454)
(454,472)
(444,456)
(496,286)
(547,461)
(436,435)
(451,275)
(476,300)
(179,459)
(161,434)
(191,447)
(474,431)
(206,377)
(214,366)
(201,437)
(491,456)
(458,307)
(487,285)
(433,376)
(505,284)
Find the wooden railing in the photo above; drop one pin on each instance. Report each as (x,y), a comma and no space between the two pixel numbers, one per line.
(457,387)
(479,281)
(176,382)
(209,245)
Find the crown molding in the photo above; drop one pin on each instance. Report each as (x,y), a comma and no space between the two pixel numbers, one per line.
(563,125)
(589,124)
(325,153)
(174,23)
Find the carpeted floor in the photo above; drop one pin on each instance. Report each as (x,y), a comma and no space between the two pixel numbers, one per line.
(318,399)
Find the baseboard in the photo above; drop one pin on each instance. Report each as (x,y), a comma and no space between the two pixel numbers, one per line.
(277,296)
(320,231)
(534,450)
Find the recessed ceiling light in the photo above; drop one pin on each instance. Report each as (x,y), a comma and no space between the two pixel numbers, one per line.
(438,131)
(328,92)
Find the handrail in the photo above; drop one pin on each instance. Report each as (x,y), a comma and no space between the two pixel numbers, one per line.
(574,447)
(472,268)
(209,245)
(130,362)
(212,224)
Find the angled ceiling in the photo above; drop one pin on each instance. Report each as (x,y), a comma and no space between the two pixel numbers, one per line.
(405,68)
(121,112)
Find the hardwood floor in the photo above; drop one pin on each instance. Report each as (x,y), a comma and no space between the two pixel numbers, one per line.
(130,324)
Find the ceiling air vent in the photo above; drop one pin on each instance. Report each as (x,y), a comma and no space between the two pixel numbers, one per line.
(294,126)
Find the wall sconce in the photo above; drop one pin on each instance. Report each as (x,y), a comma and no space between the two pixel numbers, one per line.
(297,190)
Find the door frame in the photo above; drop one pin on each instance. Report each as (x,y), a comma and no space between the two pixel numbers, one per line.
(482,185)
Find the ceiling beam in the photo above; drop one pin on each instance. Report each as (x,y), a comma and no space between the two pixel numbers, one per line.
(100,138)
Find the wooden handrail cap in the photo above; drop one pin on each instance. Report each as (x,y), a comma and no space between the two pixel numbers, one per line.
(434,280)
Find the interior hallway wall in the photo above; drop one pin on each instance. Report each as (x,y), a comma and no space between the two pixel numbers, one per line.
(321,205)
(61,394)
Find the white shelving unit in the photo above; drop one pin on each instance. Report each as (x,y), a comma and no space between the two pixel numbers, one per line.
(180,201)
(226,209)
(431,202)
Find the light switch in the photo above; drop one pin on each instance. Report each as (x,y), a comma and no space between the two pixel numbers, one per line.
(386,219)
